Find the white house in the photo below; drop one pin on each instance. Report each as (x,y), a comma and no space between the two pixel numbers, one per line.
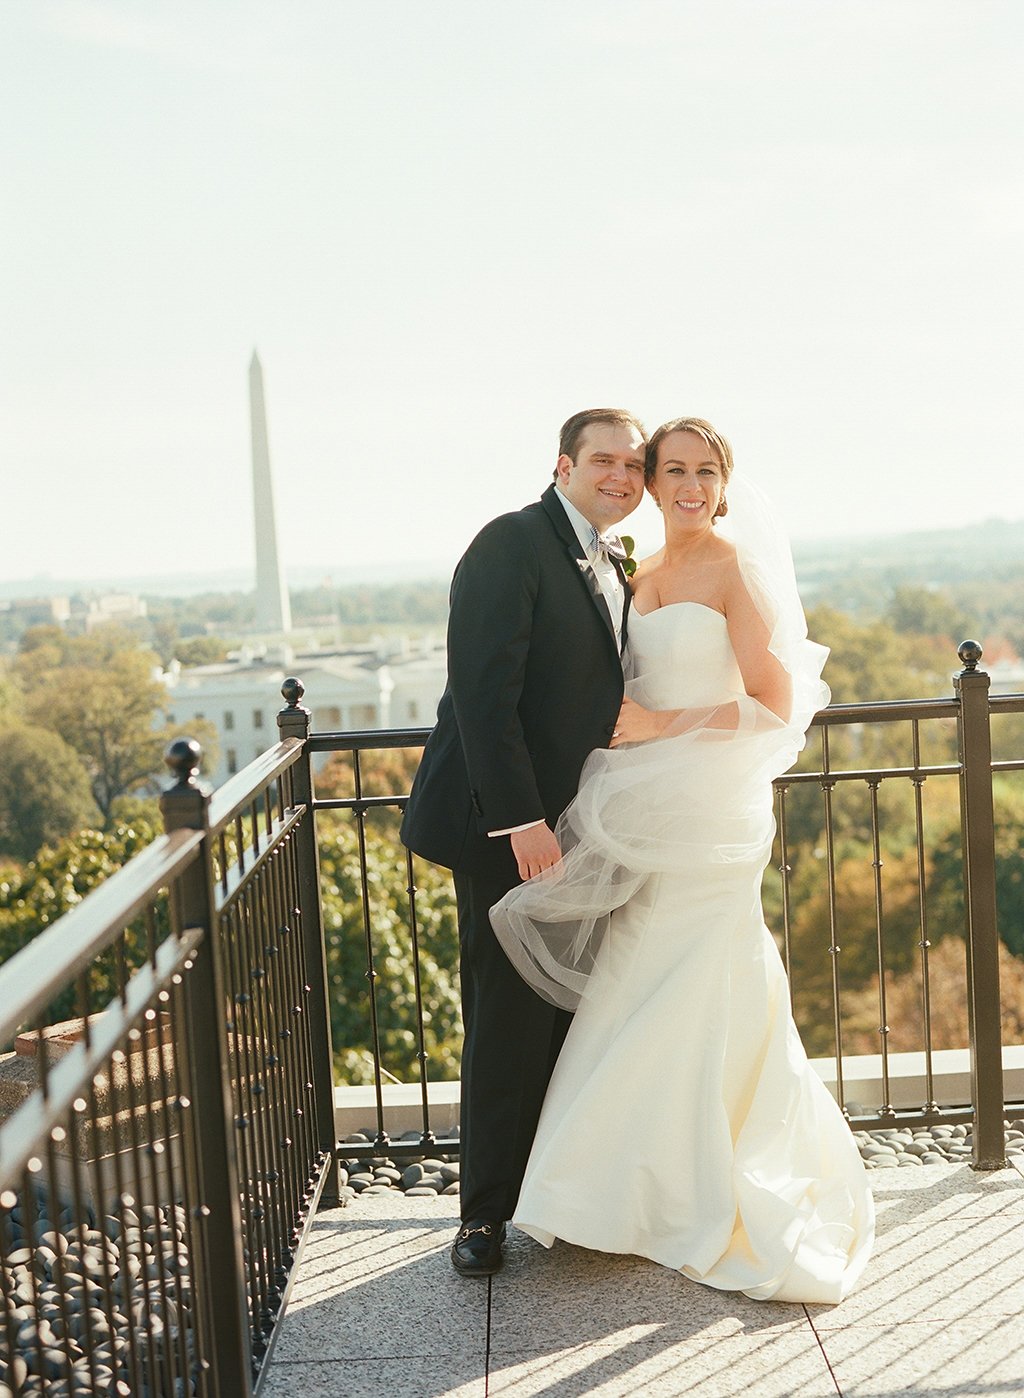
(357,688)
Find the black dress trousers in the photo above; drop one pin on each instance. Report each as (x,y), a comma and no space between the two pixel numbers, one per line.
(512,1039)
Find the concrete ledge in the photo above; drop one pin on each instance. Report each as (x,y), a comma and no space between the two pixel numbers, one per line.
(356,1107)
(951,1075)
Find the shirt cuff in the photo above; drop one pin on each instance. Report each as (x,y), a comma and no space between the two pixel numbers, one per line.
(514,829)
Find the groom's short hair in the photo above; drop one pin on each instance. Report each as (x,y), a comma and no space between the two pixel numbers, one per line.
(574,427)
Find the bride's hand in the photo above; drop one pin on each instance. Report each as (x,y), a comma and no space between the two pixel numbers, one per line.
(635,724)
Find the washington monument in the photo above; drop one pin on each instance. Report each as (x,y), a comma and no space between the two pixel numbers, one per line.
(273,610)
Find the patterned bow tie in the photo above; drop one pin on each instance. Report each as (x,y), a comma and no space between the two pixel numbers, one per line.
(608,544)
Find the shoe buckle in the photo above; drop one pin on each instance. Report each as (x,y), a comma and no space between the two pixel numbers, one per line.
(484,1228)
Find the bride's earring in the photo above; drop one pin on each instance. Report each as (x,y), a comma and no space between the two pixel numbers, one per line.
(723,507)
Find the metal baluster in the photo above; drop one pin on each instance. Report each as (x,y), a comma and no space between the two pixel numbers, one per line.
(99,1186)
(428,1138)
(287,996)
(886,1109)
(382,1141)
(284,1161)
(56,1136)
(291,924)
(834,948)
(30,1220)
(199,1369)
(786,870)
(294,722)
(265,1020)
(246,1031)
(930,1104)
(168,1097)
(120,1069)
(153,1149)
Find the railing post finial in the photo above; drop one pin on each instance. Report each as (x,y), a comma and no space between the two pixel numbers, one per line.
(182,758)
(293,721)
(184,805)
(293,689)
(970,653)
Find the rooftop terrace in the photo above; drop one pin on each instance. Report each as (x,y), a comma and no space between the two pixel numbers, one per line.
(378,1312)
(183,1143)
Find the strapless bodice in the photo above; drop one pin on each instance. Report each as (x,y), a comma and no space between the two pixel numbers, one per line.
(682,656)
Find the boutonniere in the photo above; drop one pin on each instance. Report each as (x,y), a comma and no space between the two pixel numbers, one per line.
(629,562)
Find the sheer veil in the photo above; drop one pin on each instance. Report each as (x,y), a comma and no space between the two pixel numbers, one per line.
(695,800)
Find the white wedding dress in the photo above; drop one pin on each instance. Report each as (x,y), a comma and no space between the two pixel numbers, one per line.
(683,1122)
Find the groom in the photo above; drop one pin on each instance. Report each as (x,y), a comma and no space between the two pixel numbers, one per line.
(535,634)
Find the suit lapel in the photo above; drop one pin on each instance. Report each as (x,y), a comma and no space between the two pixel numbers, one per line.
(627,599)
(581,563)
(594,588)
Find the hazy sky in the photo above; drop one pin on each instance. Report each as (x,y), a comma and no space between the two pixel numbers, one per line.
(447,225)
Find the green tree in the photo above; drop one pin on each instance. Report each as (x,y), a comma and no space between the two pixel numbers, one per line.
(100,693)
(423,603)
(811,962)
(924,611)
(48,642)
(868,662)
(395,984)
(947,884)
(164,638)
(948,1018)
(871,661)
(201,650)
(56,880)
(107,715)
(8,698)
(44,791)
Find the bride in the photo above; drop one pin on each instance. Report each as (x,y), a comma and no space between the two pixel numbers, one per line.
(683,1122)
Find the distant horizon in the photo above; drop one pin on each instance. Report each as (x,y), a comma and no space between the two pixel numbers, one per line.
(308,576)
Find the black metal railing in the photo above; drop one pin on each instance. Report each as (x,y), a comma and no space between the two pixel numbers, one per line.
(957,731)
(176,1136)
(946,739)
(361,806)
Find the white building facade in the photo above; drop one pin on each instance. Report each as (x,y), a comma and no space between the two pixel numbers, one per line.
(347,691)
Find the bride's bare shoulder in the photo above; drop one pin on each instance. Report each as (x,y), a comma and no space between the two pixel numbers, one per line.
(721,562)
(729,576)
(724,551)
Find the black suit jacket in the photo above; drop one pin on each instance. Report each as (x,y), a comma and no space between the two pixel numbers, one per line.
(534,684)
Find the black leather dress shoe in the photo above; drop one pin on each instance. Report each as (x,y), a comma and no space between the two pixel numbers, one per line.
(476,1251)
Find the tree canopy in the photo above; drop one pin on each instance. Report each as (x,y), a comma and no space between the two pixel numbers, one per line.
(58,878)
(101,694)
(44,791)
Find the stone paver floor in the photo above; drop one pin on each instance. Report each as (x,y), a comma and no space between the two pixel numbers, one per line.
(377,1311)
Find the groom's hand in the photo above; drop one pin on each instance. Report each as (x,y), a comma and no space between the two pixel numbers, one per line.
(535,849)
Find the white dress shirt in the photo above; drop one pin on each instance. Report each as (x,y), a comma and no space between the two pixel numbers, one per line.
(608,580)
